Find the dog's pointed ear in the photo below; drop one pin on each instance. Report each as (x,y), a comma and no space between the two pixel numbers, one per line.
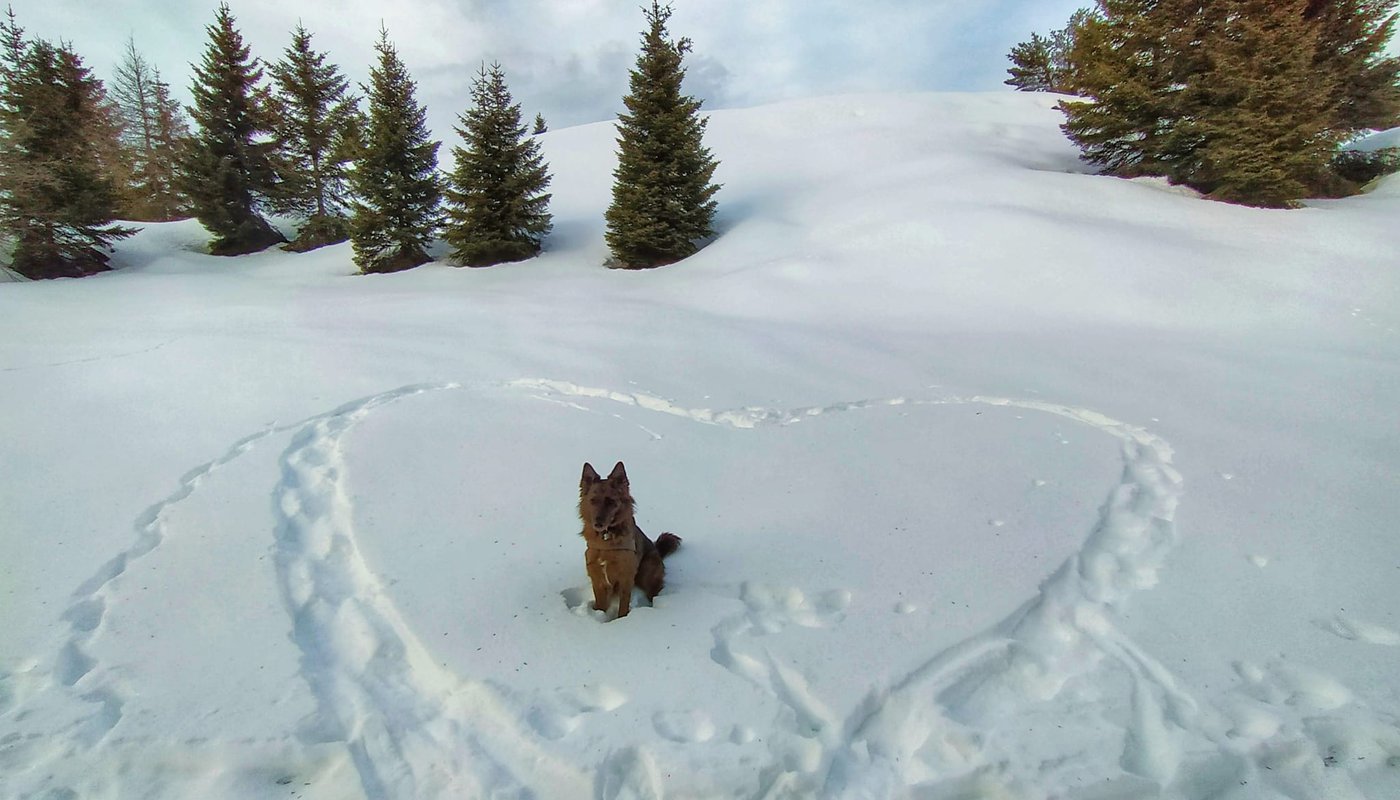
(619,473)
(590,475)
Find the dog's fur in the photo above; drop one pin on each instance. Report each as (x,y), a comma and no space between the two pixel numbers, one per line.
(619,556)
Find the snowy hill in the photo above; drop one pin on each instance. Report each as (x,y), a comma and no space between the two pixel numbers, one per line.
(996,480)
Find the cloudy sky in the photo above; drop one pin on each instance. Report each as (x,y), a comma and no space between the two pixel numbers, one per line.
(568,59)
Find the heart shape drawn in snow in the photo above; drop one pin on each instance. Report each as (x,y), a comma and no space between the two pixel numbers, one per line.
(809,533)
(852,600)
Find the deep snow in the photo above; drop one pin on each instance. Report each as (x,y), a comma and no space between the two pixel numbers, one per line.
(997,480)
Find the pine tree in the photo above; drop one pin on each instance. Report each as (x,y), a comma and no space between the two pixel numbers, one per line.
(497,209)
(397,193)
(57,200)
(1062,43)
(1352,37)
(151,139)
(12,44)
(315,117)
(1221,95)
(171,140)
(663,200)
(540,126)
(1262,126)
(1124,65)
(1245,100)
(1044,64)
(228,169)
(1032,66)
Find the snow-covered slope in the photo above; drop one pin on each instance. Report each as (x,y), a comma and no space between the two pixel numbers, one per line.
(996,479)
(1379,140)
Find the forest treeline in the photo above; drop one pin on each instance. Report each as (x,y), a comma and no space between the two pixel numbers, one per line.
(292,137)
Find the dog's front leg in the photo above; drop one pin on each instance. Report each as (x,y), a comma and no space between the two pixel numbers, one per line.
(598,577)
(624,594)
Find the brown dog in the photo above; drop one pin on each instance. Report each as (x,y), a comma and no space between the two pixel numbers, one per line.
(619,556)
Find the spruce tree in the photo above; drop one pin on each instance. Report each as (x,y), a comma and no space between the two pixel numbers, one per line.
(228,169)
(1044,64)
(12,44)
(57,199)
(1245,100)
(1124,65)
(172,135)
(540,126)
(1261,123)
(395,211)
(152,137)
(663,199)
(1032,66)
(1352,37)
(497,209)
(315,118)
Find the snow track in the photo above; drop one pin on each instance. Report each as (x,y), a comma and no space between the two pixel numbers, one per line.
(969,718)
(73,672)
(413,729)
(916,729)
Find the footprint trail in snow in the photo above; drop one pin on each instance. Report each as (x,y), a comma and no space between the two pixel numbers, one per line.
(414,729)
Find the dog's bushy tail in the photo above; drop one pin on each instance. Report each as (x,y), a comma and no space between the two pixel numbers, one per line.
(667,543)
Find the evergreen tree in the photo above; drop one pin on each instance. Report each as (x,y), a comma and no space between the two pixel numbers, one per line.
(663,200)
(1044,64)
(315,119)
(57,200)
(540,126)
(12,44)
(171,141)
(152,134)
(497,209)
(1260,123)
(228,169)
(1125,64)
(1032,66)
(1352,36)
(1244,100)
(395,211)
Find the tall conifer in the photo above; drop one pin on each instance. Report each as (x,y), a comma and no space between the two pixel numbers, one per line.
(1032,66)
(1124,66)
(663,198)
(1043,64)
(171,141)
(228,169)
(497,208)
(316,117)
(1259,118)
(1245,100)
(58,135)
(152,138)
(1352,36)
(397,193)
